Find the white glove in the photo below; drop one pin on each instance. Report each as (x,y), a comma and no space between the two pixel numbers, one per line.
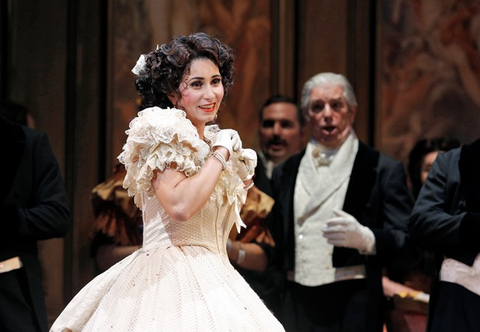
(245,161)
(229,139)
(344,230)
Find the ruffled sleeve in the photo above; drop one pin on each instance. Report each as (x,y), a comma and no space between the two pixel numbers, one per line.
(159,139)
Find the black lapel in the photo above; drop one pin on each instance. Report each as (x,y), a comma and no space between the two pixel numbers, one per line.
(359,189)
(362,181)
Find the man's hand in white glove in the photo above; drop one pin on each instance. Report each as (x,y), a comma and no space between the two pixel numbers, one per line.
(245,160)
(229,139)
(344,230)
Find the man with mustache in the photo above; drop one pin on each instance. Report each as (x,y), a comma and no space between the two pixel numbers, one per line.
(281,134)
(340,216)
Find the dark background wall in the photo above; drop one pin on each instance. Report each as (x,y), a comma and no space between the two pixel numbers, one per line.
(69,62)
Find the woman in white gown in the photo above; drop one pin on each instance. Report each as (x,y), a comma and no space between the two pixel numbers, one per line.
(190,180)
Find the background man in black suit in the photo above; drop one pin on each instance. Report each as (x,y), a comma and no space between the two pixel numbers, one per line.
(340,216)
(33,206)
(446,221)
(281,134)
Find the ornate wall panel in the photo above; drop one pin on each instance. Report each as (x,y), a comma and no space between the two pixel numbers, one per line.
(429,72)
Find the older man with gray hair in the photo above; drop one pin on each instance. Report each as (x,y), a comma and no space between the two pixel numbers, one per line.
(340,216)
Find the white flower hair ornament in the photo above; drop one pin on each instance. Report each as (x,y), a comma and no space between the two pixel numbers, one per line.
(140,65)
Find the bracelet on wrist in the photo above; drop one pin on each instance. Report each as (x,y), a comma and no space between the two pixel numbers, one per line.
(221,159)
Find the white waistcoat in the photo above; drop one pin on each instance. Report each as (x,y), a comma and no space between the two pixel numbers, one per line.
(319,190)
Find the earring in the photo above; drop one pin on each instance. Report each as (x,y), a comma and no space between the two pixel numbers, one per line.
(216,116)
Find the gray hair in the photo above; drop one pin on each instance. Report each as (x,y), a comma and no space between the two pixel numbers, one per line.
(328,79)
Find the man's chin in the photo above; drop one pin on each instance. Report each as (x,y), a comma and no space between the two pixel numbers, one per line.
(332,142)
(277,155)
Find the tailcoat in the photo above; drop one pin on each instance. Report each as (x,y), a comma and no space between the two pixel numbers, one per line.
(446,220)
(377,196)
(34,206)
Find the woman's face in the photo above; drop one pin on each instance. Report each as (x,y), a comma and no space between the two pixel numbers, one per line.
(201,92)
(427,165)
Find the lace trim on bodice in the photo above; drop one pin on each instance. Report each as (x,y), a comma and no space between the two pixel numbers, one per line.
(165,138)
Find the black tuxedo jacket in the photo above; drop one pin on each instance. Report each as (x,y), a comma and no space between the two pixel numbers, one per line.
(446,215)
(34,206)
(377,196)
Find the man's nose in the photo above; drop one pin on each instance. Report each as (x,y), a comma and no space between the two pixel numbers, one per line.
(327,111)
(277,128)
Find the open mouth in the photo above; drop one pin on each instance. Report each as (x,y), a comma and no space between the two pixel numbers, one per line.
(329,129)
(208,108)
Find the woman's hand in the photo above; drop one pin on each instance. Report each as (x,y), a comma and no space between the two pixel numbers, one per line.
(229,139)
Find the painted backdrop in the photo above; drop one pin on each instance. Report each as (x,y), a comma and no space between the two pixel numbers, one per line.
(429,77)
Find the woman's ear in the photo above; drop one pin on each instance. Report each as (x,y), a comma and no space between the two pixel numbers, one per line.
(173,99)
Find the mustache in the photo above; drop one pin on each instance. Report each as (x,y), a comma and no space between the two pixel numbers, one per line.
(276,141)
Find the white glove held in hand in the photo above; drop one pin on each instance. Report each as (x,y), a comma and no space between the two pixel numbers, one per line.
(229,139)
(245,161)
(344,230)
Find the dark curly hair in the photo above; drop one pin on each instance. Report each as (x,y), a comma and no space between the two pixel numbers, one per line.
(168,64)
(418,153)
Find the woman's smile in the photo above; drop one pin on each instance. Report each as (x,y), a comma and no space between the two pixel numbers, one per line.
(208,108)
